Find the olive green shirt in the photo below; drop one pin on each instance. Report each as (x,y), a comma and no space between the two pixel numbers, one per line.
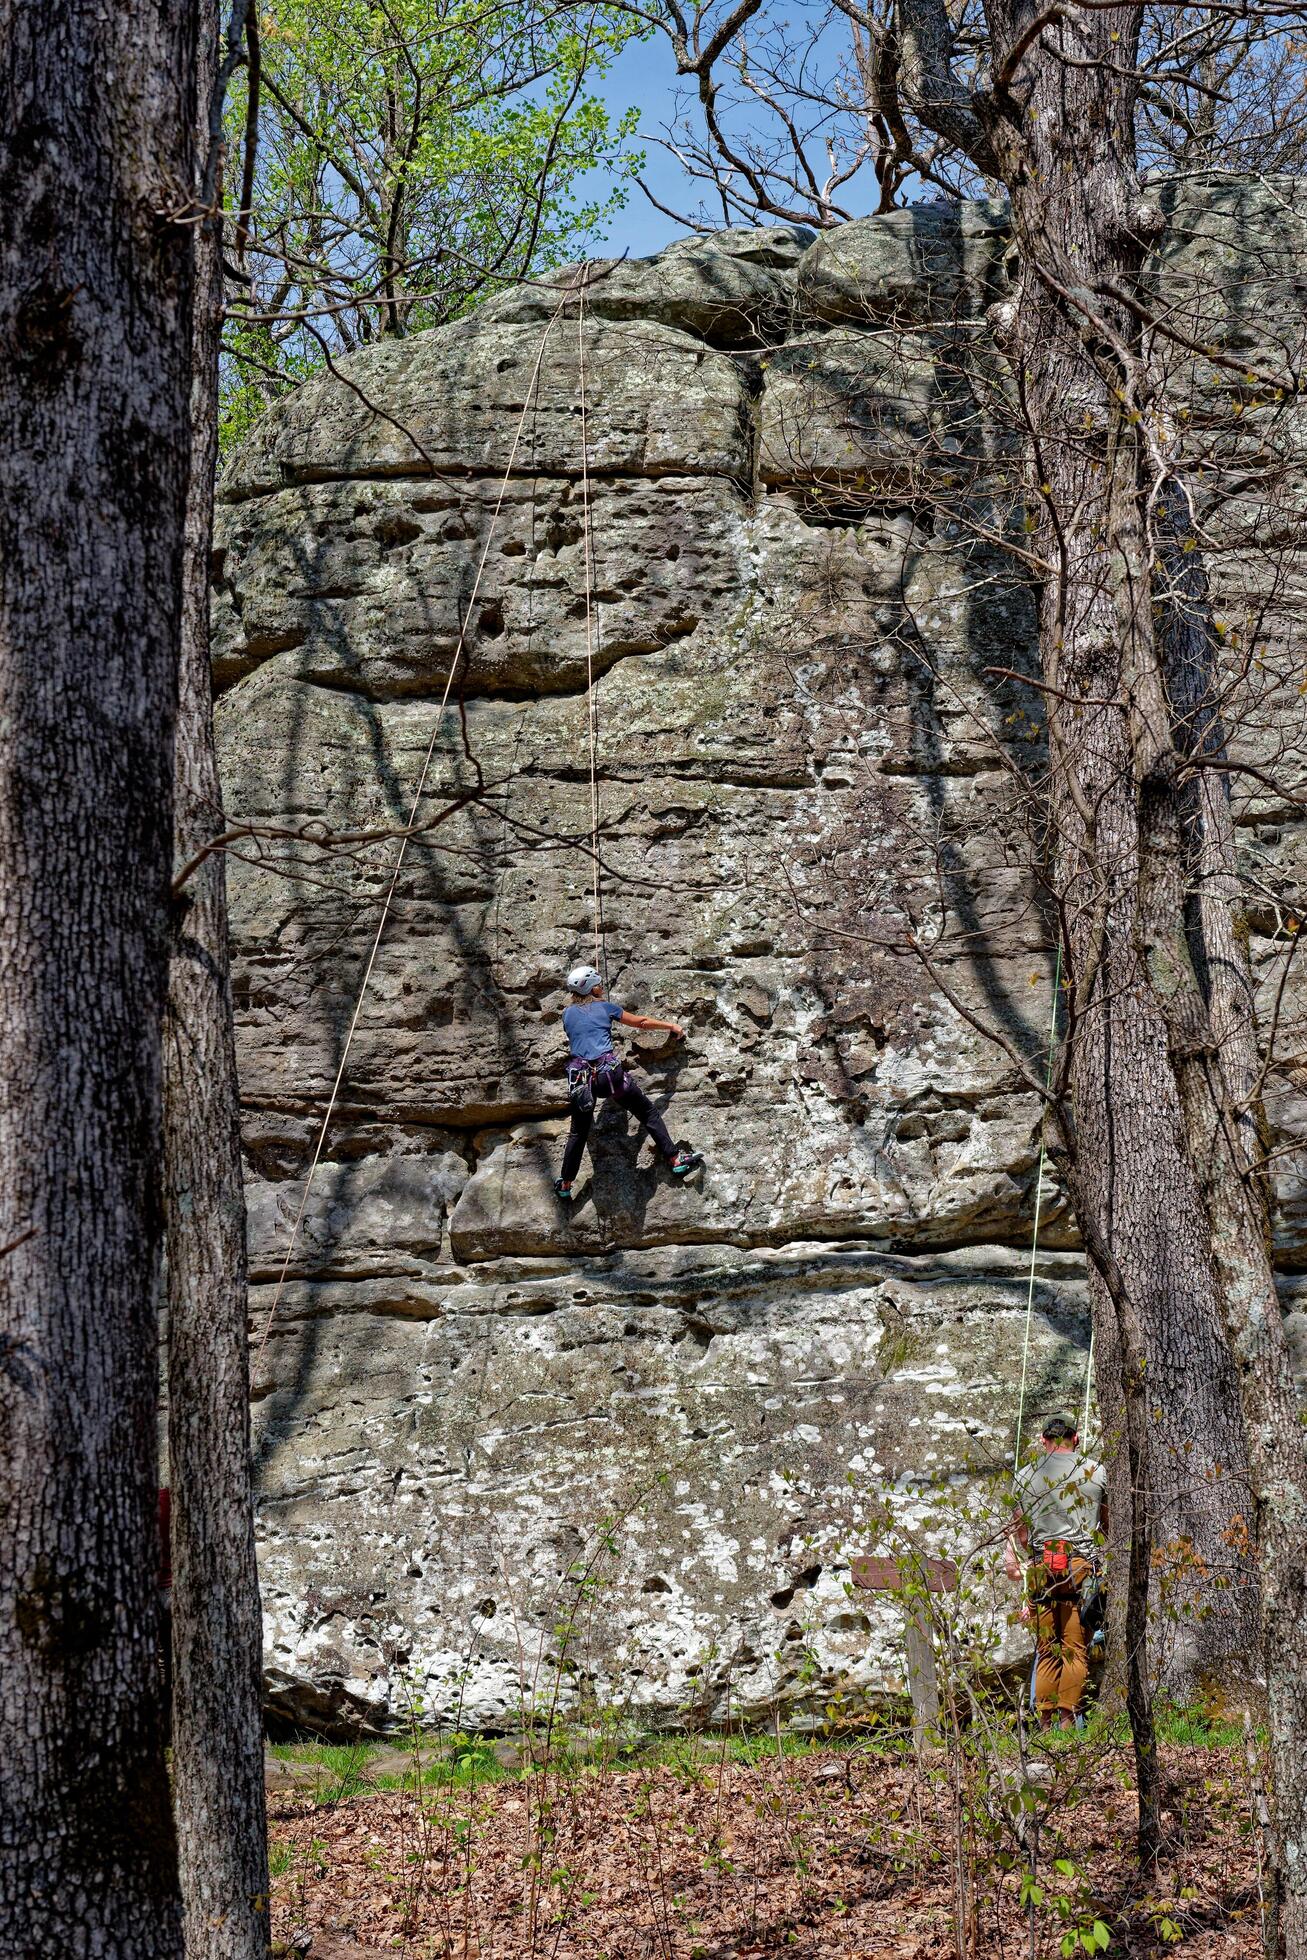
(1060,1497)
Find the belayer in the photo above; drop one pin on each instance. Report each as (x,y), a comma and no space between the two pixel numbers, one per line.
(1061,1516)
(594,1070)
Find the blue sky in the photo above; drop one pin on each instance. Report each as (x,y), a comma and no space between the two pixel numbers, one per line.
(644,77)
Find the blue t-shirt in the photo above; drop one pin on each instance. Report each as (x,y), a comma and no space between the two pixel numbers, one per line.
(588,1026)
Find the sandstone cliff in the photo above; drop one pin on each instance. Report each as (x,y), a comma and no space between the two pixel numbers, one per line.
(659,1416)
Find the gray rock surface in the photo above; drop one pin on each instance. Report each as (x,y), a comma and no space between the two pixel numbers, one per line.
(623,1451)
(926,264)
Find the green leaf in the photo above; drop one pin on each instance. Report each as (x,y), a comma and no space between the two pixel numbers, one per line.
(430,153)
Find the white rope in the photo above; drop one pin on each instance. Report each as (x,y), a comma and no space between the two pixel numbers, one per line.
(1034,1241)
(403,842)
(593,642)
(1089,1381)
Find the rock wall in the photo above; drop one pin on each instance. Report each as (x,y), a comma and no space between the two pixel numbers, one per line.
(659,1418)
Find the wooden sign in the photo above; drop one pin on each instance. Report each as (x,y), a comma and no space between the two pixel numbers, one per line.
(893,1575)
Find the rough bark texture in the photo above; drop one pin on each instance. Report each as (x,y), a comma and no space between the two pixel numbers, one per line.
(1162,1060)
(217,1626)
(1116,814)
(96,115)
(1202,978)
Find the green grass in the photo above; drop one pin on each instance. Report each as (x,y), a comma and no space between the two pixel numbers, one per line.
(343,1770)
(1192,1728)
(471,1761)
(281,1856)
(1189,1728)
(464,1762)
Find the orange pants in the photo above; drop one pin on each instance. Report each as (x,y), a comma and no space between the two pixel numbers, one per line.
(1063,1666)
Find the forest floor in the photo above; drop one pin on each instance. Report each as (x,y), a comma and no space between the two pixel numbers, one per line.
(703,1851)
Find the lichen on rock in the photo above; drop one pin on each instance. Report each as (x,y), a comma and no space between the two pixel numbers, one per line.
(660,1416)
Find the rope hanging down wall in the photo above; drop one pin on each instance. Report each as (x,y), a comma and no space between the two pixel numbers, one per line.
(1034,1245)
(576,289)
(593,644)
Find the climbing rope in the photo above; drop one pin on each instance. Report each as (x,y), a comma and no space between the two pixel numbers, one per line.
(1089,1382)
(1039,1193)
(593,643)
(398,866)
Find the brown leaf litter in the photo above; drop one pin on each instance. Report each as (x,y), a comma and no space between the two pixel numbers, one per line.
(846,1855)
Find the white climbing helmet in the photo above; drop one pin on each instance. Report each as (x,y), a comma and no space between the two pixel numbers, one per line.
(583,980)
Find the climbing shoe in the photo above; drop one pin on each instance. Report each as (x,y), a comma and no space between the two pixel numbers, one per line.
(561,1190)
(685,1160)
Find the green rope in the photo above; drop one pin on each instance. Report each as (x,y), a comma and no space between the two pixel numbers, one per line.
(1039,1192)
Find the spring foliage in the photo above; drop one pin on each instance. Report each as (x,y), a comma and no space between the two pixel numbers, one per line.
(412,157)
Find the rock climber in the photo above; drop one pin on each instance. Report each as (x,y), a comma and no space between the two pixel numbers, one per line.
(1060,1520)
(594,1070)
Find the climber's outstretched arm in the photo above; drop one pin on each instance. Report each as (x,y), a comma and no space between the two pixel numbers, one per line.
(648,1021)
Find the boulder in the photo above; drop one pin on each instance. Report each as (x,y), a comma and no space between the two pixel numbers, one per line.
(939,262)
(519,1457)
(734,288)
(468,399)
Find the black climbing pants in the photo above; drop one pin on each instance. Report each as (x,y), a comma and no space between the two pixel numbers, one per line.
(627,1093)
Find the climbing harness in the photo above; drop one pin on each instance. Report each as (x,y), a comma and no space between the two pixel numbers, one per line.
(607,1076)
(387,901)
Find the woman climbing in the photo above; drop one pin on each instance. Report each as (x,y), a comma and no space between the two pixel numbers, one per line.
(594,1070)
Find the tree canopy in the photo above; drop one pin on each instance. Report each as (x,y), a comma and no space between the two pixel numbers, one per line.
(403,159)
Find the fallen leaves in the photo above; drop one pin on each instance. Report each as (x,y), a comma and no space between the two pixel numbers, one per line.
(844,1856)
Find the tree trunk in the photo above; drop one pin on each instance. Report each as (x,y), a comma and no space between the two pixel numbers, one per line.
(217,1625)
(1115,811)
(96,154)
(1206,989)
(1163,1045)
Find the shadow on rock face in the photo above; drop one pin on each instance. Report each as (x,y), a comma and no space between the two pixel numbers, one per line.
(623,1195)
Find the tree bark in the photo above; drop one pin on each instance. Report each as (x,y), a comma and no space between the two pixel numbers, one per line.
(97,116)
(1163,1132)
(1204,983)
(1116,818)
(217,1623)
